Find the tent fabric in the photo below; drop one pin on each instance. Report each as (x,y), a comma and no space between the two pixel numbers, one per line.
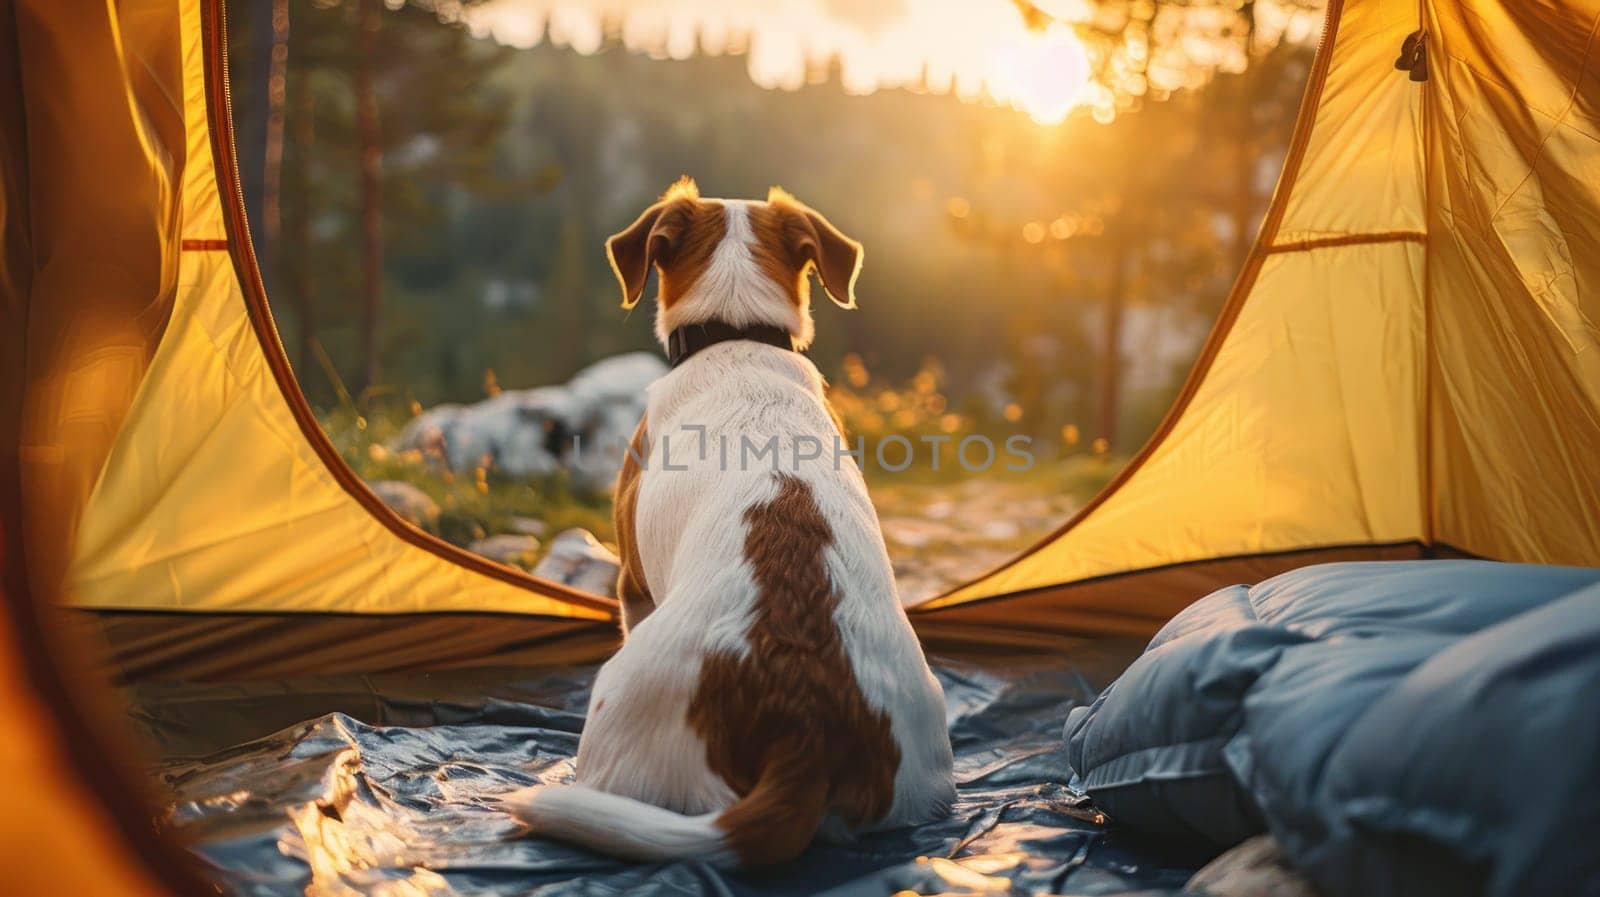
(57,836)
(168,462)
(215,468)
(1406,367)
(1135,603)
(104,157)
(213,647)
(72,820)
(1411,354)
(1417,728)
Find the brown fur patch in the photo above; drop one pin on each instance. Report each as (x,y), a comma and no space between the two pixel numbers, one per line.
(786,726)
(695,228)
(634,593)
(776,228)
(811,243)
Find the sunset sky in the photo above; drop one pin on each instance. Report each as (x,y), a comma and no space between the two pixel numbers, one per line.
(976,49)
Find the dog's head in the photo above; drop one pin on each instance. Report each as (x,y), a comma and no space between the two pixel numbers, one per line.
(741,262)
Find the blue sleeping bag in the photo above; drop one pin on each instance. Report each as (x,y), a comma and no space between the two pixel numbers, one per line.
(1404,728)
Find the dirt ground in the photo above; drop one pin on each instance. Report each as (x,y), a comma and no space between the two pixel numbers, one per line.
(940,535)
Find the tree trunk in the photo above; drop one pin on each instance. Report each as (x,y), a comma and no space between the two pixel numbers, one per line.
(252,128)
(1108,404)
(272,157)
(296,261)
(368,136)
(1123,234)
(1246,158)
(1109,400)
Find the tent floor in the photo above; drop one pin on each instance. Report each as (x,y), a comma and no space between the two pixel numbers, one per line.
(384,781)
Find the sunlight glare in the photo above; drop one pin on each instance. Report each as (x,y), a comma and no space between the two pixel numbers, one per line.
(977,51)
(1043,75)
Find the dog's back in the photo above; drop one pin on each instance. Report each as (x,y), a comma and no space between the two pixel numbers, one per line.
(771,682)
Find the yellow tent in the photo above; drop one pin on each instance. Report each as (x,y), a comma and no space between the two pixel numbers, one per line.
(1409,365)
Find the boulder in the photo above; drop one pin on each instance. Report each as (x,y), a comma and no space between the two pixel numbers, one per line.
(412,504)
(518,433)
(582,427)
(508,548)
(527,526)
(618,379)
(429,431)
(608,398)
(604,441)
(577,559)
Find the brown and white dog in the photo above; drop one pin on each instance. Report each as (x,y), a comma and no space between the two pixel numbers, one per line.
(769,686)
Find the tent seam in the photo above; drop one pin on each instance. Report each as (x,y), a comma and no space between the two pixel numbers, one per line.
(1396,236)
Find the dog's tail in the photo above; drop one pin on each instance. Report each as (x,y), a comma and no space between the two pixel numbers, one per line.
(615,825)
(771,824)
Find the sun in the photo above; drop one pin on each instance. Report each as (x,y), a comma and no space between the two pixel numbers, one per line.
(1042,74)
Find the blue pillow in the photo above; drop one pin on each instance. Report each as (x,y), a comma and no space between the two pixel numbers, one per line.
(1298,713)
(1485,760)
(1402,728)
(1398,598)
(1149,750)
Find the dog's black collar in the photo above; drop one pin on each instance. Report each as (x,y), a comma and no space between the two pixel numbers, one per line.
(691,338)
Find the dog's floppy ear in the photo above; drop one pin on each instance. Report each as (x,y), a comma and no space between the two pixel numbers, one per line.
(813,239)
(633,251)
(648,240)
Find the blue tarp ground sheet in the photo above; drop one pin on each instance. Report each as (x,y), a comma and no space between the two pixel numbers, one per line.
(340,805)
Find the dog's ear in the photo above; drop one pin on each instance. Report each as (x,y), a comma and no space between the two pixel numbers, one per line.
(633,251)
(648,240)
(812,239)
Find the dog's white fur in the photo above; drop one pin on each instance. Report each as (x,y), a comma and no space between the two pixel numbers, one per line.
(645,790)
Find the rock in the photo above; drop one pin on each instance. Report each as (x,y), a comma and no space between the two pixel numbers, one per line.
(582,427)
(1000,529)
(606,434)
(618,379)
(518,433)
(412,504)
(429,431)
(916,532)
(608,399)
(906,533)
(577,559)
(527,526)
(517,551)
